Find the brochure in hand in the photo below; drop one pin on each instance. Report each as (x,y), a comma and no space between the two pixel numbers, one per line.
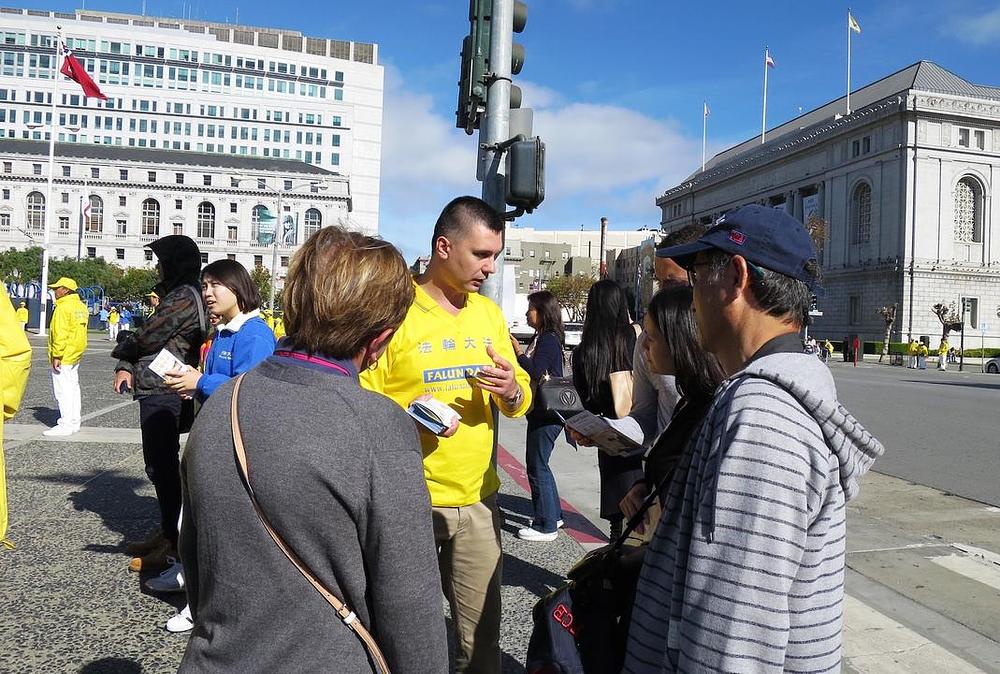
(602,433)
(165,362)
(433,415)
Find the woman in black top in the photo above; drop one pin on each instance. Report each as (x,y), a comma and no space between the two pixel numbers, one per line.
(606,346)
(544,357)
(671,347)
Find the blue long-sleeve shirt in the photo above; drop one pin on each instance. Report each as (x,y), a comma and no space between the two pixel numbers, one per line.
(237,347)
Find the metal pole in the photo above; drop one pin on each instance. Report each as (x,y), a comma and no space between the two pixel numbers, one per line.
(961,341)
(495,128)
(79,235)
(763,114)
(43,311)
(274,253)
(602,265)
(848,60)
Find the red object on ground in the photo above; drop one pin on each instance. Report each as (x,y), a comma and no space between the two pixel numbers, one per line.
(74,70)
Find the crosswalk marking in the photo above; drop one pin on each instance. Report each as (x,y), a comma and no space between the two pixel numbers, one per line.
(976,568)
(876,644)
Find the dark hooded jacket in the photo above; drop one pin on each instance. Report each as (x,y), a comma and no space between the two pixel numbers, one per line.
(180,322)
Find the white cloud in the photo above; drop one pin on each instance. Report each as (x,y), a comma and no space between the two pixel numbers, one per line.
(978,30)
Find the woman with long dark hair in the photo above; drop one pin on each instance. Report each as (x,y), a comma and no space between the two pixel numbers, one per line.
(606,346)
(672,348)
(544,357)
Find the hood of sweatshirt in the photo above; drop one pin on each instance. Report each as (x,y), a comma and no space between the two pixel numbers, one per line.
(809,381)
(180,262)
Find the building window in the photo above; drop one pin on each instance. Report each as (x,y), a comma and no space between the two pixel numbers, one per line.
(65,170)
(288,184)
(91,251)
(233,206)
(230,256)
(6,193)
(968,211)
(36,169)
(980,138)
(63,223)
(206,220)
(314,220)
(179,178)
(8,167)
(151,176)
(121,227)
(284,260)
(861,214)
(122,201)
(4,222)
(963,137)
(258,260)
(204,258)
(234,233)
(866,145)
(119,253)
(178,228)
(233,182)
(65,197)
(95,172)
(178,204)
(123,174)
(206,179)
(854,311)
(95,223)
(531,253)
(150,218)
(148,254)
(255,221)
(36,211)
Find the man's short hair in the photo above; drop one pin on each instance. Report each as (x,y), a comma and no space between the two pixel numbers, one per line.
(679,237)
(776,294)
(461,214)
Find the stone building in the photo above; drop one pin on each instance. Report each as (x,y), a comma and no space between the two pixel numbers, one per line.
(904,185)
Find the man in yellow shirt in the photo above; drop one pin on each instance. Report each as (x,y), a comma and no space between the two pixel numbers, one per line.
(454,346)
(15,364)
(67,342)
(22,315)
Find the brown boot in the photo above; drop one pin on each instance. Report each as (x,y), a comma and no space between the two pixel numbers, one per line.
(152,542)
(155,560)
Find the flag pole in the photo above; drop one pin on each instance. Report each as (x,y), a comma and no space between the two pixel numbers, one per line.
(42,315)
(763,117)
(849,31)
(704,134)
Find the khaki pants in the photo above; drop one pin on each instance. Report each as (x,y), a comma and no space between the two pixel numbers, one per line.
(469,556)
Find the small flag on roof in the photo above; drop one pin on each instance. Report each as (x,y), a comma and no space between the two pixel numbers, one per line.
(73,69)
(853,24)
(768,61)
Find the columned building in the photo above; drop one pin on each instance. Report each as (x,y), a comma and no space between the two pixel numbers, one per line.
(901,188)
(111,201)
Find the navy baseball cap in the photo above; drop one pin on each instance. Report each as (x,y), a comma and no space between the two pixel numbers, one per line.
(767,237)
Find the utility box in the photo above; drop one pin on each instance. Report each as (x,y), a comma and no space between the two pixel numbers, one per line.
(525,169)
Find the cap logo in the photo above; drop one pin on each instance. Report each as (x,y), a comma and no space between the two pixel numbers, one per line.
(737,237)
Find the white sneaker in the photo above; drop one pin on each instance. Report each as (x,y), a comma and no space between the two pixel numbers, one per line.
(529,534)
(560,524)
(181,622)
(171,580)
(61,431)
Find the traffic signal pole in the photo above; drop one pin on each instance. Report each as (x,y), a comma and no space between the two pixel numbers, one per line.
(495,127)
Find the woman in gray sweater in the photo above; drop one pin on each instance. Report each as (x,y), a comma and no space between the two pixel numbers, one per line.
(338,472)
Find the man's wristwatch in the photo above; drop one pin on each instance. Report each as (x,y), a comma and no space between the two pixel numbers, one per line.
(514,402)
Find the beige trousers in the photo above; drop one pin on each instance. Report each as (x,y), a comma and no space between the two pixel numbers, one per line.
(469,556)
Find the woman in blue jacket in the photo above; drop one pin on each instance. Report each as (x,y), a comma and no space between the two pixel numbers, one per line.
(242,340)
(544,357)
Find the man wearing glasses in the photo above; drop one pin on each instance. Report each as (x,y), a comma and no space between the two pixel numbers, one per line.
(746,568)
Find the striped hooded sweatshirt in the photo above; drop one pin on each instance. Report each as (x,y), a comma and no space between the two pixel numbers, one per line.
(746,570)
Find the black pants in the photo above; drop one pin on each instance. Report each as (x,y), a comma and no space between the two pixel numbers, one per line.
(160,422)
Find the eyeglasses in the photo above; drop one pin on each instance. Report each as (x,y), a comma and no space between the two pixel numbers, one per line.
(692,272)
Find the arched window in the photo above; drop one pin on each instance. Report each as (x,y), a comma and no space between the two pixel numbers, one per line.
(206,220)
(861,214)
(151,217)
(36,211)
(95,223)
(968,197)
(255,221)
(314,220)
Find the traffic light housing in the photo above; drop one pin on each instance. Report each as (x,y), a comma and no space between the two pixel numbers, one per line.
(525,174)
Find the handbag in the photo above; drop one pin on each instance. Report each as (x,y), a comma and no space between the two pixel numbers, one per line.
(556,399)
(582,626)
(348,616)
(621,392)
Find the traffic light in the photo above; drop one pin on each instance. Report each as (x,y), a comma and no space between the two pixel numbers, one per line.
(525,174)
(476,74)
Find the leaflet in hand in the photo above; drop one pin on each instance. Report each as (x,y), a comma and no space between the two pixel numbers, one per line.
(433,414)
(165,362)
(602,433)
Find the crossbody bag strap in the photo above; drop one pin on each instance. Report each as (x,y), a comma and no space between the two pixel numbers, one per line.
(348,616)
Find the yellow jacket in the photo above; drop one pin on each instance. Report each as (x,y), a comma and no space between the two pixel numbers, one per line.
(22,314)
(434,352)
(943,348)
(914,348)
(113,317)
(68,330)
(278,328)
(15,363)
(922,349)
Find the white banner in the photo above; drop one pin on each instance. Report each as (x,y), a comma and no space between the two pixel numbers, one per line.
(810,207)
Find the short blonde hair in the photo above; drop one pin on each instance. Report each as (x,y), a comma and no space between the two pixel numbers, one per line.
(343,289)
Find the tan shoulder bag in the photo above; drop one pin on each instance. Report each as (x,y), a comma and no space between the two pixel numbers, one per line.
(346,614)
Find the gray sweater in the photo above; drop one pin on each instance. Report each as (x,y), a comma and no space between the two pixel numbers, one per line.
(745,572)
(338,470)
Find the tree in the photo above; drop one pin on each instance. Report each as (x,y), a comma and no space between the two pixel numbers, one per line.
(262,277)
(949,318)
(888,315)
(571,293)
(135,283)
(27,263)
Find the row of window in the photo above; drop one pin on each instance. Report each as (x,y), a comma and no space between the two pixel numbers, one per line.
(151,176)
(150,220)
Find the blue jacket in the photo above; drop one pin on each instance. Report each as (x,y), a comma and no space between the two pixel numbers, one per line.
(237,347)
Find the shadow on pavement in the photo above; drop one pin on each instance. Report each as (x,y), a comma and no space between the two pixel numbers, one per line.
(535,579)
(111,666)
(954,383)
(510,665)
(45,415)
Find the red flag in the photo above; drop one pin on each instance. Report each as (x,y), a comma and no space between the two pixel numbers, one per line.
(74,70)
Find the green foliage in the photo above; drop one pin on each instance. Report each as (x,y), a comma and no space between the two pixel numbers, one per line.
(28,264)
(571,293)
(119,284)
(262,277)
(982,353)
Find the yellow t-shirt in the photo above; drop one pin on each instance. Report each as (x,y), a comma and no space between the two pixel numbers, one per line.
(432,352)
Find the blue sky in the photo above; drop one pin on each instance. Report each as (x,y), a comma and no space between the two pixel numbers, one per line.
(617,85)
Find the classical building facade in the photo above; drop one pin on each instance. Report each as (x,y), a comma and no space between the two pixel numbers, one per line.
(213,88)
(902,187)
(110,201)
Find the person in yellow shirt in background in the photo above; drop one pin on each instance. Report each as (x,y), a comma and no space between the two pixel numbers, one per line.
(67,342)
(454,346)
(922,352)
(913,350)
(279,327)
(113,319)
(21,313)
(943,355)
(15,364)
